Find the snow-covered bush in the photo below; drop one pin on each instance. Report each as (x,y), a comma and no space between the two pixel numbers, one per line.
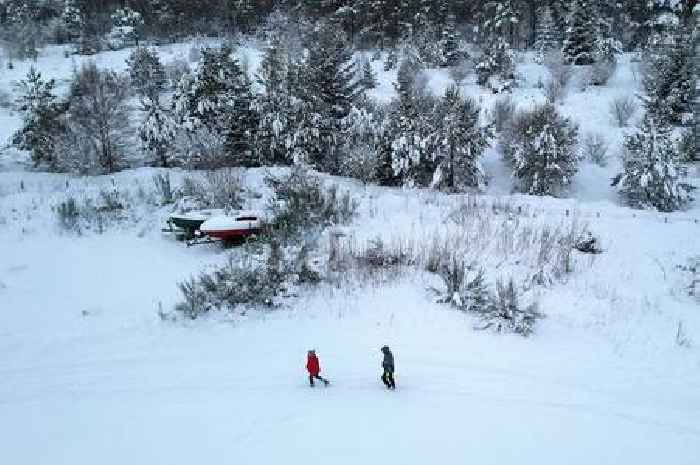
(93,213)
(221,189)
(686,146)
(5,99)
(301,204)
(174,70)
(595,148)
(653,175)
(459,72)
(465,285)
(540,146)
(164,188)
(466,289)
(601,72)
(505,312)
(236,286)
(622,109)
(559,76)
(554,91)
(503,112)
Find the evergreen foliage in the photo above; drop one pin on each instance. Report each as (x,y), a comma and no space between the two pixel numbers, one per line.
(581,33)
(653,175)
(43,119)
(540,146)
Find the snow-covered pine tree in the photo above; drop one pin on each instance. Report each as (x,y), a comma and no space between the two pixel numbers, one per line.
(581,33)
(497,59)
(669,80)
(458,143)
(652,173)
(157,133)
(146,73)
(275,106)
(127,27)
(327,92)
(540,146)
(42,119)
(449,43)
(409,127)
(368,79)
(546,34)
(220,98)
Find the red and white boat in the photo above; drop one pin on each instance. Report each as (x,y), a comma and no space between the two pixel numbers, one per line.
(230,228)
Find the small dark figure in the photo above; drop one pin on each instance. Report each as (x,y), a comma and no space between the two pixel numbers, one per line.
(314,368)
(388,366)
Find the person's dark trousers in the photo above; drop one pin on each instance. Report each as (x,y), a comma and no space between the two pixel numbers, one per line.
(312,377)
(388,379)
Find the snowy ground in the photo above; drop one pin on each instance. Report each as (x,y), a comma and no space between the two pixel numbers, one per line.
(90,374)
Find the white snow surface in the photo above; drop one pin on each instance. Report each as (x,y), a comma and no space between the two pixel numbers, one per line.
(90,374)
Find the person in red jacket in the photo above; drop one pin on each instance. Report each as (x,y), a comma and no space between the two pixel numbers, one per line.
(314,368)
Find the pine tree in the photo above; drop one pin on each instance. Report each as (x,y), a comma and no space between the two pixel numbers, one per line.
(157,133)
(275,106)
(540,146)
(652,172)
(146,73)
(327,93)
(458,142)
(497,59)
(368,80)
(220,99)
(669,81)
(449,43)
(42,121)
(546,35)
(580,37)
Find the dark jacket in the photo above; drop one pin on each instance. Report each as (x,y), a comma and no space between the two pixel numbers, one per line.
(388,362)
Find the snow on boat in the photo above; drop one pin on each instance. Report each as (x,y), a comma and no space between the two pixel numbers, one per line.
(186,224)
(232,227)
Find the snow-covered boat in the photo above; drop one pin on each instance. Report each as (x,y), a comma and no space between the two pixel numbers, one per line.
(186,224)
(231,227)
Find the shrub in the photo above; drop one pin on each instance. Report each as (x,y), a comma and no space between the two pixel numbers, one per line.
(622,109)
(601,72)
(174,71)
(459,72)
(164,188)
(503,112)
(686,146)
(237,283)
(215,189)
(554,91)
(68,215)
(504,312)
(302,204)
(559,71)
(595,149)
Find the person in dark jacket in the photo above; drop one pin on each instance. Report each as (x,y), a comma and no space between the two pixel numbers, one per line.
(314,368)
(388,366)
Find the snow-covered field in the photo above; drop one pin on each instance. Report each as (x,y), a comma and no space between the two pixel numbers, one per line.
(90,374)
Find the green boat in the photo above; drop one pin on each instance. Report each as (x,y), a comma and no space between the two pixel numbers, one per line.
(184,225)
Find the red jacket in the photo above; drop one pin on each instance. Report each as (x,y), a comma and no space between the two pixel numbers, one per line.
(312,365)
